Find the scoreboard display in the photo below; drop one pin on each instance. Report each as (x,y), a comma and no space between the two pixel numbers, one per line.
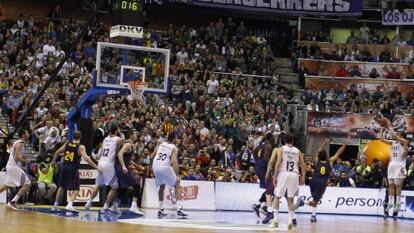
(127,12)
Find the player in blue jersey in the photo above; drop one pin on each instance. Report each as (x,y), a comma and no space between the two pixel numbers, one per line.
(322,172)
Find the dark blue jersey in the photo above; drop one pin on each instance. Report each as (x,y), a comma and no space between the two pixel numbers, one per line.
(322,170)
(72,157)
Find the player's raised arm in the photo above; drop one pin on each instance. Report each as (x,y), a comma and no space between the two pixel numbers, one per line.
(125,148)
(340,151)
(399,139)
(58,153)
(85,157)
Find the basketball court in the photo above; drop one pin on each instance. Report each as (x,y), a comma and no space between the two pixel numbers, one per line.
(40,219)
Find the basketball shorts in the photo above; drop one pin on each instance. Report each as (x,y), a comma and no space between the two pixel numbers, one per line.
(125,180)
(164,175)
(261,174)
(69,178)
(287,184)
(396,172)
(317,188)
(108,175)
(16,177)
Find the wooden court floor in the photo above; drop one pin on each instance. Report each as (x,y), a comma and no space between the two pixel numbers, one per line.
(32,222)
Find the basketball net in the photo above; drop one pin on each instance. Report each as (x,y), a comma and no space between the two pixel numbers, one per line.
(137,89)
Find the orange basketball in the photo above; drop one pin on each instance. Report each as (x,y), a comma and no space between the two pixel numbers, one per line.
(377,150)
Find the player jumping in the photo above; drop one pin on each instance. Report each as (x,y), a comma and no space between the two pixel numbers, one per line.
(396,168)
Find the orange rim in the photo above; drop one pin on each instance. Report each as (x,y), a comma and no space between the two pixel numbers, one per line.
(137,84)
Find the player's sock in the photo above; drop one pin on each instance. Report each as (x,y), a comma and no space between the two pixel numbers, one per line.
(397,204)
(391,199)
(179,205)
(88,204)
(294,215)
(105,207)
(290,219)
(161,205)
(134,204)
(270,209)
(16,198)
(70,204)
(313,211)
(56,204)
(276,216)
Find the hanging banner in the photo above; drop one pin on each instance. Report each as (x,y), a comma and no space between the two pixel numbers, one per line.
(398,18)
(352,124)
(371,85)
(394,71)
(296,7)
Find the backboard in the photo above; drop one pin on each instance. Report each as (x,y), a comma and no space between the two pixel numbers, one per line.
(116,64)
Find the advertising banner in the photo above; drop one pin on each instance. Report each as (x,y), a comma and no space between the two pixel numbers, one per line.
(318,82)
(196,195)
(84,194)
(293,7)
(396,17)
(330,68)
(336,200)
(353,124)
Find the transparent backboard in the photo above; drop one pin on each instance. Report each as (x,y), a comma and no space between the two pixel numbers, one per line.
(116,64)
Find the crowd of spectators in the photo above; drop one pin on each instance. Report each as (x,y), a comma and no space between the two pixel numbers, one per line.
(217,120)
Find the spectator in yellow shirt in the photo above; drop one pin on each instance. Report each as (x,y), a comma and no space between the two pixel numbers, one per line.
(45,183)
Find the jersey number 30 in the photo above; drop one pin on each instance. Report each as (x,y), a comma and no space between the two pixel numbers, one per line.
(161,156)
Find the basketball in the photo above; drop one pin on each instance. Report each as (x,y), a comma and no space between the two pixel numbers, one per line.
(377,150)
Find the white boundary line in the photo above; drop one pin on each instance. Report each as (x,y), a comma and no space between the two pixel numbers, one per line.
(202,224)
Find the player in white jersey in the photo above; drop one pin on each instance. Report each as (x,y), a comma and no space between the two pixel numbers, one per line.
(396,167)
(166,172)
(286,178)
(109,149)
(15,176)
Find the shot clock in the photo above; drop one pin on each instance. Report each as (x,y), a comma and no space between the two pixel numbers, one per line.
(127,12)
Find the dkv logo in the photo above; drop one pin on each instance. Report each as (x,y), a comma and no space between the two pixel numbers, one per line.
(187,193)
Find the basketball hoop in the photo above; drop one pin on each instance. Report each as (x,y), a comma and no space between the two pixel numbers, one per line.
(137,89)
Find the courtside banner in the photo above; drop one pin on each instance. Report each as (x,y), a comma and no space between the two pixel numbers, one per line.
(348,201)
(396,17)
(196,195)
(237,196)
(3,197)
(292,7)
(84,194)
